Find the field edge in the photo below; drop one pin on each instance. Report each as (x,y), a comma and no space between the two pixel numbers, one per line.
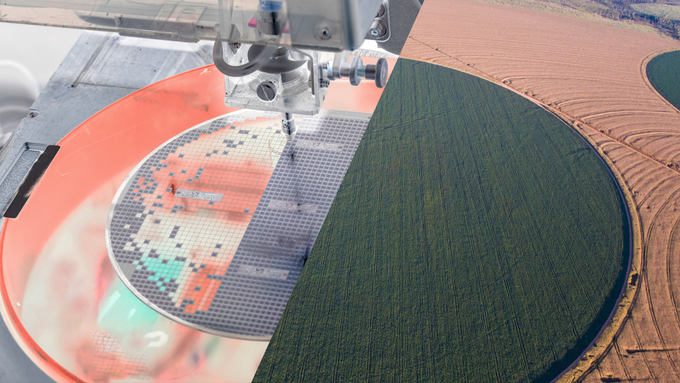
(643,73)
(601,344)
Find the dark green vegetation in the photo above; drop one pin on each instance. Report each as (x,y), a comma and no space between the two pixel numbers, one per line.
(663,72)
(475,238)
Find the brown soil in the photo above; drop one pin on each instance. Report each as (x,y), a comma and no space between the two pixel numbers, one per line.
(591,75)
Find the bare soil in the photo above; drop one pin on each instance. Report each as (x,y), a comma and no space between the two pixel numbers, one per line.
(593,75)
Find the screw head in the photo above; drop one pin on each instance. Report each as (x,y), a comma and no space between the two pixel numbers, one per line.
(378,29)
(266,91)
(323,32)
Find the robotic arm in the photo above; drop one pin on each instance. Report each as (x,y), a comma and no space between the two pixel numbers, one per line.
(279,52)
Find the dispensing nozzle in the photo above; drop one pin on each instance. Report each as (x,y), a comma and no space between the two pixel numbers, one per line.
(288,126)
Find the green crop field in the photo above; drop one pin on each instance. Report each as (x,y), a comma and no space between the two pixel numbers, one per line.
(663,72)
(475,238)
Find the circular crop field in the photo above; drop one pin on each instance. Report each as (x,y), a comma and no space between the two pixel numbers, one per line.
(663,71)
(475,238)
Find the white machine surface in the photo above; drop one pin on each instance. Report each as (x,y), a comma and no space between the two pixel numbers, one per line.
(276,78)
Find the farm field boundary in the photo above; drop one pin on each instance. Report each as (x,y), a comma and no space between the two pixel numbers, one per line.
(456,132)
(590,357)
(592,73)
(644,74)
(603,343)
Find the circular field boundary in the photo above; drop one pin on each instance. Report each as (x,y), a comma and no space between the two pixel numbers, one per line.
(589,359)
(604,341)
(643,73)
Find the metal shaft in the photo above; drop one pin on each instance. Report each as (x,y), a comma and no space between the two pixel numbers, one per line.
(288,126)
